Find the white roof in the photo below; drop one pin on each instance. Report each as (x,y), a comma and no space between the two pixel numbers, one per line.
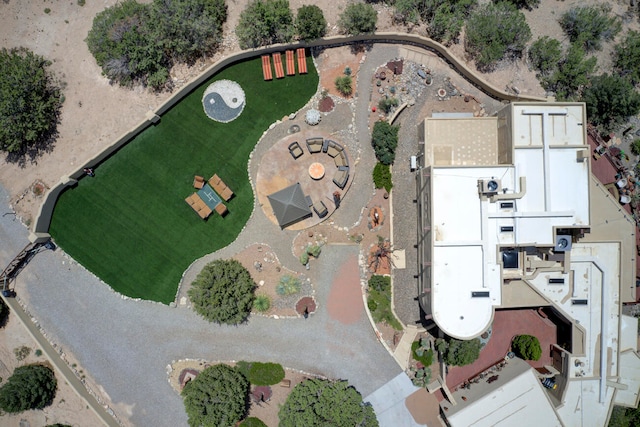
(519,402)
(467,228)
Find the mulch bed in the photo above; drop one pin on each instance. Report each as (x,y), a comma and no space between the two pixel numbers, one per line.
(306,303)
(326,104)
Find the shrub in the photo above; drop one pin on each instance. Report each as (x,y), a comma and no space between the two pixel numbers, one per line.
(252,422)
(421,352)
(310,22)
(494,32)
(421,377)
(590,25)
(523,4)
(265,22)
(459,353)
(446,23)
(265,373)
(304,258)
(386,104)
(314,250)
(627,57)
(38,353)
(30,387)
(47,10)
(573,73)
(343,85)
(527,347)
(635,148)
(288,285)
(218,396)
(380,283)
(30,101)
(316,402)
(81,2)
(385,140)
(21,353)
(223,292)
(382,177)
(544,54)
(262,303)
(358,18)
(610,101)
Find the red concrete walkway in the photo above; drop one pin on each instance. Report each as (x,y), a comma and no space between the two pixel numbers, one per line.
(506,325)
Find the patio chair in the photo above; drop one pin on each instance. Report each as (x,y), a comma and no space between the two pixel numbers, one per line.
(320,208)
(334,149)
(341,159)
(340,178)
(198,182)
(314,145)
(221,209)
(295,150)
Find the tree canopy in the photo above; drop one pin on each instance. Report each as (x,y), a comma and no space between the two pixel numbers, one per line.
(590,24)
(544,54)
(223,292)
(310,22)
(358,18)
(527,347)
(494,32)
(611,100)
(317,402)
(626,60)
(30,101)
(384,140)
(138,43)
(30,387)
(265,22)
(459,352)
(572,74)
(216,397)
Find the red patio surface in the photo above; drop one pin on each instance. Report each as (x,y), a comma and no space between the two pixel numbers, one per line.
(506,325)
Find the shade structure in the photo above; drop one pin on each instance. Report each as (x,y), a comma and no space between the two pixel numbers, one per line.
(289,205)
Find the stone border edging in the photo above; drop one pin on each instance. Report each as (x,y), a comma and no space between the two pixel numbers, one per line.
(43,219)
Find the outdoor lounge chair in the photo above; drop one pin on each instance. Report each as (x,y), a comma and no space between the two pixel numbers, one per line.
(198,182)
(314,145)
(320,208)
(220,187)
(334,149)
(295,150)
(199,206)
(341,160)
(340,178)
(221,209)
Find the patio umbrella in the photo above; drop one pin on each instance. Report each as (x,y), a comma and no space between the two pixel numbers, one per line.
(289,205)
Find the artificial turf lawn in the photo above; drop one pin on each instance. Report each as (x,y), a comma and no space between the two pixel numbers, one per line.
(130,224)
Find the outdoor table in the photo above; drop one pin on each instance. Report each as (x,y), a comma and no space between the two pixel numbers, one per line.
(209,196)
(316,170)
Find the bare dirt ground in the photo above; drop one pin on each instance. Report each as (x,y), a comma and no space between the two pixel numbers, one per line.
(96,112)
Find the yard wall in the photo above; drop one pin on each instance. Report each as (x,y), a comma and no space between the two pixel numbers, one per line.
(43,219)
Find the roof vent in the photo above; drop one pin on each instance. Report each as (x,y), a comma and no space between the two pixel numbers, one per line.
(489,186)
(563,243)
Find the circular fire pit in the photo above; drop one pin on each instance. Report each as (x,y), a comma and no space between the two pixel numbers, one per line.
(316,170)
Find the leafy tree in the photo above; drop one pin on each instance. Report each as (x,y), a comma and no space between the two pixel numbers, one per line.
(316,402)
(382,177)
(544,54)
(216,397)
(459,353)
(310,22)
(527,347)
(590,24)
(385,141)
(344,85)
(30,387)
(223,292)
(522,4)
(30,100)
(626,58)
(407,11)
(265,373)
(610,101)
(265,22)
(446,23)
(572,74)
(496,31)
(358,18)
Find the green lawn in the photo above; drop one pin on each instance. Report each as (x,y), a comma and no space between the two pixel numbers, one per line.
(130,224)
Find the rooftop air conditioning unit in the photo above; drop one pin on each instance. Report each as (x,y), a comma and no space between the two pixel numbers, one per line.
(489,186)
(563,243)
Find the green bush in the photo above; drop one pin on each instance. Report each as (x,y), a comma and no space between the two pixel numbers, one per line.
(218,396)
(304,258)
(494,32)
(381,303)
(30,387)
(446,24)
(30,101)
(626,59)
(288,285)
(372,305)
(262,303)
(223,292)
(252,422)
(590,25)
(265,22)
(573,72)
(459,353)
(527,347)
(310,22)
(244,367)
(384,140)
(344,85)
(523,4)
(265,373)
(380,283)
(382,177)
(421,353)
(386,104)
(358,18)
(544,54)
(22,352)
(610,100)
(314,250)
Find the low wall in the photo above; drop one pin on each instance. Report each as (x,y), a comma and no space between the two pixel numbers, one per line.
(43,220)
